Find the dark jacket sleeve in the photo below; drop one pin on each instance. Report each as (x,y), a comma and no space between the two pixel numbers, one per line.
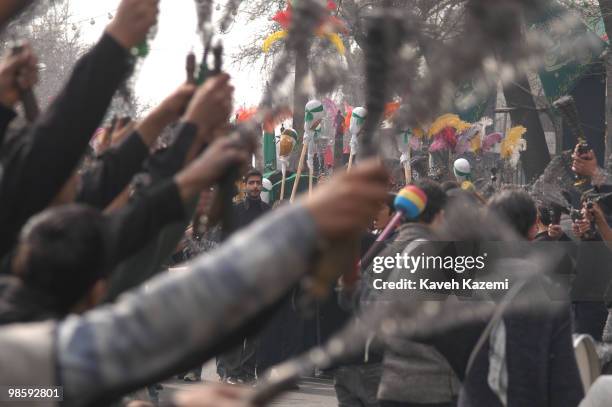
(6,116)
(112,172)
(167,163)
(132,227)
(49,152)
(147,262)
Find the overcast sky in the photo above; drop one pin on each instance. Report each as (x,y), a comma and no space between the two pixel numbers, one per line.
(164,69)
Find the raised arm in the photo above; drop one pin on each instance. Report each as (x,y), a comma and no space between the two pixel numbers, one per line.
(49,152)
(116,167)
(181,317)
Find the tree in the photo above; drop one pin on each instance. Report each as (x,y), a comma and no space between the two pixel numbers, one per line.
(55,40)
(441,21)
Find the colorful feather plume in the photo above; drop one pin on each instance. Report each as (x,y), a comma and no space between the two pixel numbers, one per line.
(448,120)
(512,142)
(491,140)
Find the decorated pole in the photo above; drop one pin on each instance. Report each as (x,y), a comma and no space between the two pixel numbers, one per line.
(358,118)
(312,118)
(288,141)
(403,145)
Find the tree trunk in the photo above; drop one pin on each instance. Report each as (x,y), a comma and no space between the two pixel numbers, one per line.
(606,9)
(519,97)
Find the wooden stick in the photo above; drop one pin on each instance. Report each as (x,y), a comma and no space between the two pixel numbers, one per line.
(350,163)
(310,175)
(408,168)
(282,191)
(298,174)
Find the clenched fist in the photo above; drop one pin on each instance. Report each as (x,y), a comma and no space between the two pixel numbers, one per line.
(133,21)
(211,105)
(18,72)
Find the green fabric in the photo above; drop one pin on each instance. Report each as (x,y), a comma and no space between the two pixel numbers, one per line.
(269,152)
(360,120)
(309,113)
(561,70)
(141,50)
(407,135)
(276,187)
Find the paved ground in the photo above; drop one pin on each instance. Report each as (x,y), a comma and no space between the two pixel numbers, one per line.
(312,393)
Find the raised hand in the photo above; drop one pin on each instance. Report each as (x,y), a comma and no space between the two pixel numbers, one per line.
(18,72)
(206,170)
(211,105)
(132,22)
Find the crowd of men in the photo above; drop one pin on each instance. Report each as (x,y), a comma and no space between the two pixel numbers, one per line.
(87,237)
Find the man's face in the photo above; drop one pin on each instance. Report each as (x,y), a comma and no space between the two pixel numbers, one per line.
(382,217)
(253,187)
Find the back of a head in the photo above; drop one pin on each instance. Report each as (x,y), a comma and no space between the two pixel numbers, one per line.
(436,199)
(62,253)
(516,208)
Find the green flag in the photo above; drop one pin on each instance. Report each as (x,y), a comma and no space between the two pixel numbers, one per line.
(269,152)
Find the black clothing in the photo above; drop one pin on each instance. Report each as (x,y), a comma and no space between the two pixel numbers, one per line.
(6,116)
(169,161)
(36,163)
(543,237)
(241,361)
(244,213)
(148,261)
(19,303)
(126,231)
(541,365)
(133,226)
(112,172)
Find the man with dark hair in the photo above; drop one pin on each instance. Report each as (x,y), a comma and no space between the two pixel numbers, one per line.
(65,252)
(517,209)
(239,365)
(527,358)
(404,373)
(252,207)
(547,224)
(62,253)
(415,374)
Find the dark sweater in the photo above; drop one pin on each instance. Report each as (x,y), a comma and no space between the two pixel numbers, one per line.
(37,162)
(541,365)
(112,172)
(244,213)
(6,116)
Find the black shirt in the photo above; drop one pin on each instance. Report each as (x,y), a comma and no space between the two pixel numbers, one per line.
(244,213)
(35,164)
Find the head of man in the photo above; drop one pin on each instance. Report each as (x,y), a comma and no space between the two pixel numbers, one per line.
(62,254)
(517,209)
(436,200)
(384,215)
(253,181)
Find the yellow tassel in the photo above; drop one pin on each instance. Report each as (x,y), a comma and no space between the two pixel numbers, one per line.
(475,144)
(272,38)
(418,132)
(337,41)
(448,120)
(511,142)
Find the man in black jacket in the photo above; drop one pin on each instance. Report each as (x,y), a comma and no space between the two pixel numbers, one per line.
(239,365)
(528,358)
(54,145)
